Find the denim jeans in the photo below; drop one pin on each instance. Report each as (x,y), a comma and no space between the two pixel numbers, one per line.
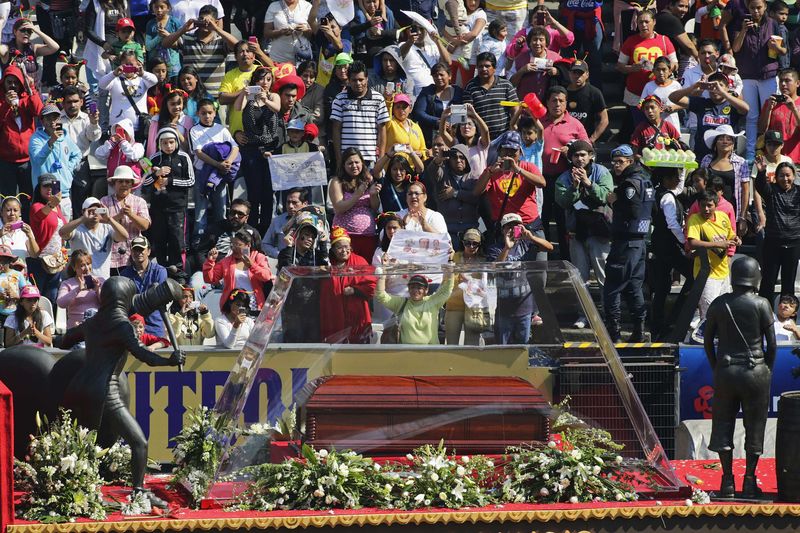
(755,93)
(512,329)
(212,206)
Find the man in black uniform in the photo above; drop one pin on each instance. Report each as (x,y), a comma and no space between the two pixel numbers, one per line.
(632,204)
(741,321)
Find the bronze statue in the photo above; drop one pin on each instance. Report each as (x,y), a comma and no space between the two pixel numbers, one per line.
(741,320)
(96,392)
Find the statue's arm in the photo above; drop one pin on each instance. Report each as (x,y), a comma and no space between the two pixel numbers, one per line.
(141,353)
(769,334)
(708,336)
(70,338)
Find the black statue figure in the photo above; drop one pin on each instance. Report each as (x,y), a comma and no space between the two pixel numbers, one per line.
(742,371)
(95,393)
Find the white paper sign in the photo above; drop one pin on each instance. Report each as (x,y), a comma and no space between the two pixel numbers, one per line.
(420,247)
(343,11)
(297,170)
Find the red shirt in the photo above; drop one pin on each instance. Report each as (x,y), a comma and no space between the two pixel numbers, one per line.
(647,136)
(537,81)
(636,48)
(557,135)
(783,120)
(521,195)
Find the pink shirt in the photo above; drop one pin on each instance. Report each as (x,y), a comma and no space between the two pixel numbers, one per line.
(557,41)
(534,82)
(359,219)
(76,302)
(139,207)
(726,207)
(556,135)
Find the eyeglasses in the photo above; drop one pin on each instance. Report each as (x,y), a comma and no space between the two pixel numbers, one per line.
(239,214)
(618,161)
(26,31)
(415,193)
(471,244)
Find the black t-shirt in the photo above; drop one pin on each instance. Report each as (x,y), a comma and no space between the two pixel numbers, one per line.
(671,26)
(584,104)
(709,116)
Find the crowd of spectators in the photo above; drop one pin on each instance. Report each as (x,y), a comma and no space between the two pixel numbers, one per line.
(480,121)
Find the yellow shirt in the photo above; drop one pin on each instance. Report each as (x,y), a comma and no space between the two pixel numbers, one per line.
(506,5)
(410,134)
(234,81)
(716,228)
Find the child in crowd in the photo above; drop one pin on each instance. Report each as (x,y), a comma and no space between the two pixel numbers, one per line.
(191,320)
(29,324)
(207,142)
(786,329)
(167,187)
(662,86)
(654,132)
(148,340)
(779,11)
(464,25)
(126,31)
(11,282)
(121,149)
(530,129)
(170,115)
(70,77)
(155,94)
(161,25)
(727,65)
(127,86)
(494,40)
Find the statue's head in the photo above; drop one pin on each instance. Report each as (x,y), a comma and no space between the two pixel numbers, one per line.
(746,272)
(117,292)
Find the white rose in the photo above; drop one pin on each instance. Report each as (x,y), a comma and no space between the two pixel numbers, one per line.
(573,499)
(319,493)
(442,496)
(465,458)
(618,459)
(460,471)
(434,477)
(306,482)
(544,492)
(490,464)
(688,503)
(545,476)
(419,497)
(618,496)
(405,494)
(328,500)
(409,457)
(576,454)
(596,469)
(427,502)
(376,467)
(323,453)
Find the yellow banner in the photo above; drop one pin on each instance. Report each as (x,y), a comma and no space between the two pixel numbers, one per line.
(161,395)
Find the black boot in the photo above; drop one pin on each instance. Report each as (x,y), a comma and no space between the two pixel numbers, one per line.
(750,487)
(613,331)
(727,488)
(155,501)
(638,332)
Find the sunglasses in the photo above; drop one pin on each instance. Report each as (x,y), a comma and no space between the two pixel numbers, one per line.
(239,214)
(471,244)
(26,31)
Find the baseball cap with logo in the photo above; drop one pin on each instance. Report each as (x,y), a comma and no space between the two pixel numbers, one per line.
(773,136)
(140,242)
(510,218)
(125,23)
(579,65)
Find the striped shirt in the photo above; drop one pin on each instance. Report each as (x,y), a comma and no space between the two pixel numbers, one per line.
(208,58)
(360,118)
(487,103)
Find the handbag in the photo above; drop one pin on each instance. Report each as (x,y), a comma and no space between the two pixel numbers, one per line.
(477,319)
(391,335)
(54,263)
(140,135)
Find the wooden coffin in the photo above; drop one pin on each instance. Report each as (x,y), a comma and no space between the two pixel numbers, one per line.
(390,415)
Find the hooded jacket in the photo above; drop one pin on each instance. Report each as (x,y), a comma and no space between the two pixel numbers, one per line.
(126,152)
(461,211)
(16,136)
(377,81)
(179,182)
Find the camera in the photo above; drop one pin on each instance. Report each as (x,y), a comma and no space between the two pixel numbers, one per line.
(779,98)
(458,114)
(194,304)
(506,164)
(101,211)
(517,232)
(89,282)
(130,69)
(400,148)
(541,18)
(16,225)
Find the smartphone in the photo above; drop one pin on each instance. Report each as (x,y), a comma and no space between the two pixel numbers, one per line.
(252,39)
(194,304)
(506,164)
(58,126)
(16,225)
(130,69)
(458,114)
(89,281)
(56,188)
(91,107)
(389,87)
(517,232)
(541,19)
(399,148)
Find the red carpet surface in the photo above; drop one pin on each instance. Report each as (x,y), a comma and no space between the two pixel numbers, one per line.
(700,474)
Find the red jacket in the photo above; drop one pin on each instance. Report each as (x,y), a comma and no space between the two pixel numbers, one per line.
(15,139)
(225,270)
(44,226)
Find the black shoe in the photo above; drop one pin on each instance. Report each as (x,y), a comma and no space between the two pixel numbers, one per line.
(638,332)
(613,331)
(727,489)
(750,488)
(155,501)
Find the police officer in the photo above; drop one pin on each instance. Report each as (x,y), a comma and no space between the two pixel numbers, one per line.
(632,204)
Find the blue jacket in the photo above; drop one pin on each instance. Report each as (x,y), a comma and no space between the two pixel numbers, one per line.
(154,275)
(428,109)
(61,160)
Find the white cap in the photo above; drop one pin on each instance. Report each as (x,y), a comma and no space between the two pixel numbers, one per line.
(89,202)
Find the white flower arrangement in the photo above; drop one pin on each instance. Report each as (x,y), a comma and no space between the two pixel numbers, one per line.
(583,467)
(115,464)
(700,497)
(62,477)
(198,451)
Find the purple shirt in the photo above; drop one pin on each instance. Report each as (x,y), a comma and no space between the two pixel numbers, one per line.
(753,61)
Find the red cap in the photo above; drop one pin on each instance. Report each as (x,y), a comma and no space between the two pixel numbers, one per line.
(136,318)
(125,23)
(312,131)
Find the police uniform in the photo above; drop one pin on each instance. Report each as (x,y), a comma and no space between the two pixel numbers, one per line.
(625,266)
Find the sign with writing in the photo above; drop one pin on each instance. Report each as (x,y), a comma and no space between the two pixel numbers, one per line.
(297,170)
(419,247)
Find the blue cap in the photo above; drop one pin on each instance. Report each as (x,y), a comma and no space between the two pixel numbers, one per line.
(511,139)
(623,150)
